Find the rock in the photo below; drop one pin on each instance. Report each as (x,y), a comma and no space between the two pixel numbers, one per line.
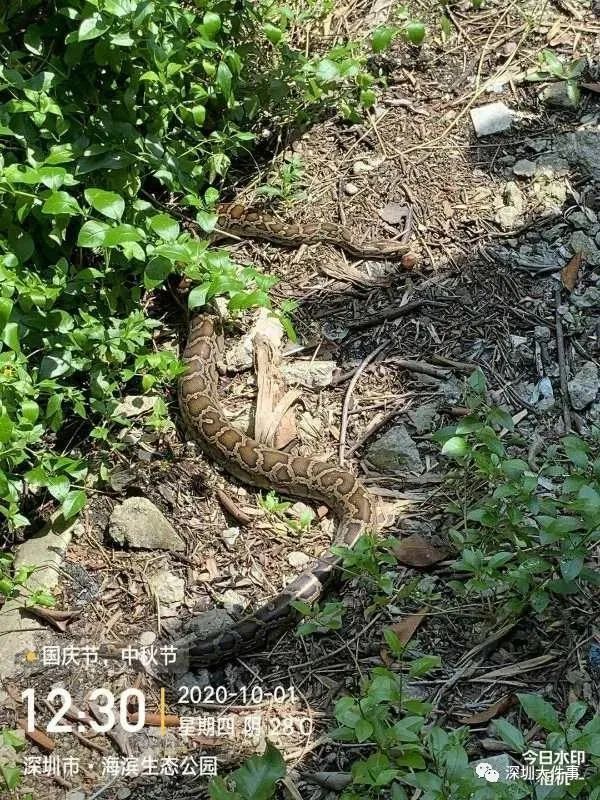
(351,189)
(298,559)
(393,213)
(559,95)
(524,168)
(509,214)
(209,623)
(310,374)
(582,150)
(169,588)
(394,451)
(551,165)
(234,601)
(491,118)
(138,523)
(542,333)
(241,356)
(75,794)
(123,793)
(581,221)
(543,395)
(589,299)
(361,165)
(580,243)
(134,405)
(45,551)
(584,386)
(147,638)
(230,537)
(423,417)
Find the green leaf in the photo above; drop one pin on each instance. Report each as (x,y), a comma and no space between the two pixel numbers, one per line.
(540,711)
(58,486)
(258,777)
(110,204)
(218,790)
(381,38)
(211,24)
(415,32)
(61,203)
(273,33)
(6,307)
(73,503)
(11,776)
(56,363)
(165,226)
(363,730)
(224,78)
(509,734)
(456,447)
(91,28)
(92,234)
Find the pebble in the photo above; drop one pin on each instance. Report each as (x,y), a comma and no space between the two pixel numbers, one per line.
(351,189)
(524,168)
(230,537)
(584,386)
(298,559)
(491,118)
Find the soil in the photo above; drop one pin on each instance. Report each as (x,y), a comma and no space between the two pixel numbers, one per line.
(416,150)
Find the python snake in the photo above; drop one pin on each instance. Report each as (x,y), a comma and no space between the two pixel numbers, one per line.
(246,223)
(265,467)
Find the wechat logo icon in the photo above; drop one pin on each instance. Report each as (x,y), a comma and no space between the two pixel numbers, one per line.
(485,770)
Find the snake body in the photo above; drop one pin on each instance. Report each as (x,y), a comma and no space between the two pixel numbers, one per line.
(265,467)
(240,222)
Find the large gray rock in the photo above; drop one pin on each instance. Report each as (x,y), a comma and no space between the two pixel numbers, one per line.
(584,386)
(582,150)
(395,451)
(138,523)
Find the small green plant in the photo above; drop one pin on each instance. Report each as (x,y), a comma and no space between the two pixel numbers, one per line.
(279,508)
(371,560)
(551,68)
(13,584)
(11,775)
(287,183)
(523,534)
(317,619)
(256,779)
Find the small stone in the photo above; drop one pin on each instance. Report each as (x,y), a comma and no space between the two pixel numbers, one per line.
(147,638)
(524,168)
(543,395)
(559,95)
(507,217)
(542,333)
(394,451)
(75,794)
(584,386)
(581,221)
(393,213)
(589,299)
(209,623)
(135,405)
(299,510)
(138,523)
(123,793)
(423,417)
(351,189)
(580,243)
(169,588)
(298,559)
(234,601)
(310,374)
(230,537)
(491,118)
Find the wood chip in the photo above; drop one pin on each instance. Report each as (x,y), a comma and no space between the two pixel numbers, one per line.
(405,629)
(38,738)
(497,708)
(415,551)
(570,273)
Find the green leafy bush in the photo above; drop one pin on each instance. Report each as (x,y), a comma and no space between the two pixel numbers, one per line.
(106,108)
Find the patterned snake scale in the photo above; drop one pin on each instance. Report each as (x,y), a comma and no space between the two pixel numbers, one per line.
(253,463)
(244,223)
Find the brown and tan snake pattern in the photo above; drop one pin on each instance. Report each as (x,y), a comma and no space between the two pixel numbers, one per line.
(258,465)
(243,223)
